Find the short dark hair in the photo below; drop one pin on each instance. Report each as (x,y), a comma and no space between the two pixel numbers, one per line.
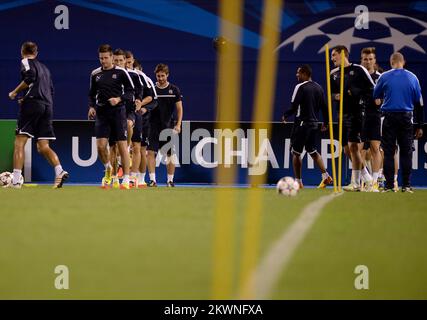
(128,54)
(368,50)
(137,65)
(103,48)
(340,48)
(119,52)
(161,67)
(306,69)
(29,47)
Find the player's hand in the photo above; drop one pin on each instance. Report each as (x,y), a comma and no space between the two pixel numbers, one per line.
(418,133)
(114,101)
(323,127)
(337,96)
(378,102)
(92,113)
(143,110)
(138,105)
(12,95)
(284,119)
(177,128)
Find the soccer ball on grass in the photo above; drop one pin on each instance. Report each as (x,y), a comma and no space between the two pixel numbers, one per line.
(287,186)
(7,177)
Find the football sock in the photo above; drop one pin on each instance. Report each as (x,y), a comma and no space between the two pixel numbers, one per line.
(357,174)
(375,176)
(107,165)
(325,175)
(58,170)
(170,177)
(125,179)
(395,177)
(152,177)
(16,176)
(142,177)
(365,175)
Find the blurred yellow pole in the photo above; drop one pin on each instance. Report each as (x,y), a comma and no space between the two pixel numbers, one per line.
(340,121)
(331,129)
(263,113)
(228,109)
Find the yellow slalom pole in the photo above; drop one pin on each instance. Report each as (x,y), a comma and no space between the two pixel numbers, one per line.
(262,115)
(340,120)
(331,129)
(228,108)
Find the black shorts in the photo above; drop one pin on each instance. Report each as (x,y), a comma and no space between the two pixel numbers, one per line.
(145,131)
(111,124)
(372,127)
(137,128)
(130,115)
(304,136)
(35,120)
(155,142)
(352,128)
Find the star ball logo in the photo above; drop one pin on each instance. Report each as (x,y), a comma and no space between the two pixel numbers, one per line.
(365,27)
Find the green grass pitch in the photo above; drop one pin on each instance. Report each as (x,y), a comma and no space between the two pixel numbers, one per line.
(157,243)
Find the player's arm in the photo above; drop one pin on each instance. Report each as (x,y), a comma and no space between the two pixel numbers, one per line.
(295,102)
(179,110)
(147,96)
(418,111)
(324,111)
(92,98)
(22,86)
(128,90)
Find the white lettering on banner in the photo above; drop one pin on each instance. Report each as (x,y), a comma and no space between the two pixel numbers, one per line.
(425,150)
(325,150)
(415,156)
(287,153)
(75,153)
(63,20)
(200,151)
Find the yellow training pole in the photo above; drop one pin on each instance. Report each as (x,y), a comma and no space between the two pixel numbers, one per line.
(228,108)
(263,111)
(331,129)
(340,120)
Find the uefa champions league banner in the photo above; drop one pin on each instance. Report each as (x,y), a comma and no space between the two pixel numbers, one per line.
(197,156)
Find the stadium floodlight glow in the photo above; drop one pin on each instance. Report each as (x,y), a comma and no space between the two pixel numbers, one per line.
(331,130)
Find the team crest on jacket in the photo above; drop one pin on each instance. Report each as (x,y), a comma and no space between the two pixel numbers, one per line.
(114,76)
(170,91)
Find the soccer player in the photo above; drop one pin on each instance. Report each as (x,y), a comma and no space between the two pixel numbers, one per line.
(140,135)
(358,86)
(308,98)
(35,114)
(169,99)
(372,121)
(401,92)
(110,88)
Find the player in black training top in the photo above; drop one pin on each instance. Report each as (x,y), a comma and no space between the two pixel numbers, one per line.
(372,122)
(169,100)
(307,100)
(142,112)
(35,114)
(110,88)
(358,87)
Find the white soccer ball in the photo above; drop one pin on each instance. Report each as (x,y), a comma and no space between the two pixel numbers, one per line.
(5,178)
(287,186)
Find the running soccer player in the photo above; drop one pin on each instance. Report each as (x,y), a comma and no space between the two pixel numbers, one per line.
(140,134)
(110,88)
(358,86)
(372,121)
(169,99)
(35,114)
(308,98)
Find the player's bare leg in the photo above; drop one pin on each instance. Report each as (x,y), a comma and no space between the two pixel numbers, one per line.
(326,179)
(136,160)
(151,164)
(142,167)
(104,157)
(124,155)
(357,165)
(297,164)
(18,159)
(396,170)
(376,161)
(115,166)
(170,166)
(60,175)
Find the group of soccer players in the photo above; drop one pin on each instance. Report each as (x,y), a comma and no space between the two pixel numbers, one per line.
(130,113)
(362,115)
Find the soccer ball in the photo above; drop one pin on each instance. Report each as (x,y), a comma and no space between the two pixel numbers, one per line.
(5,178)
(287,186)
